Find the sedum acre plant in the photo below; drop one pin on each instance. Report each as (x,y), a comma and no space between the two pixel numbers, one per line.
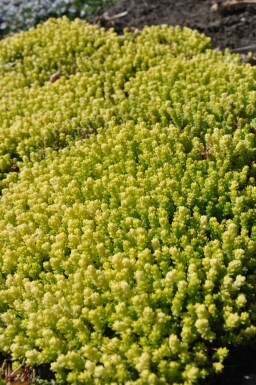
(128,236)
(63,80)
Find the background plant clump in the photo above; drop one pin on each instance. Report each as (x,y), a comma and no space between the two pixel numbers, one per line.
(17,15)
(127,214)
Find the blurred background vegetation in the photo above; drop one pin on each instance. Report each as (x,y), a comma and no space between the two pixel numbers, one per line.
(18,15)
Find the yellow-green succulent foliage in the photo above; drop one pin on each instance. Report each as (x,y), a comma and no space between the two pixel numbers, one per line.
(128,238)
(94,67)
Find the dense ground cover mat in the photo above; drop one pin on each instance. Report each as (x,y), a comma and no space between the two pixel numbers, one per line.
(16,15)
(127,244)
(62,80)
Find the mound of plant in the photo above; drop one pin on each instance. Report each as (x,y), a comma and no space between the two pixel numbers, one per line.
(128,236)
(63,80)
(18,15)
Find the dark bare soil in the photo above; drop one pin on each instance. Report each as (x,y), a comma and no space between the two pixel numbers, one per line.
(232,29)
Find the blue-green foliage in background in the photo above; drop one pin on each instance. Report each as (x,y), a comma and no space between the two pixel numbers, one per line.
(16,15)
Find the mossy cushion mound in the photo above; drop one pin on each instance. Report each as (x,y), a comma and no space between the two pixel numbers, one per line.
(127,215)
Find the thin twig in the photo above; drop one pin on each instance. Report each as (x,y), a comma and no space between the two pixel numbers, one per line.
(245,48)
(117,16)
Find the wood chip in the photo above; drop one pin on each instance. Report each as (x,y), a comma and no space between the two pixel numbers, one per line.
(55,76)
(219,5)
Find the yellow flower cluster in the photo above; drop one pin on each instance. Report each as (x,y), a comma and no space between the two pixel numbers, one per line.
(128,238)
